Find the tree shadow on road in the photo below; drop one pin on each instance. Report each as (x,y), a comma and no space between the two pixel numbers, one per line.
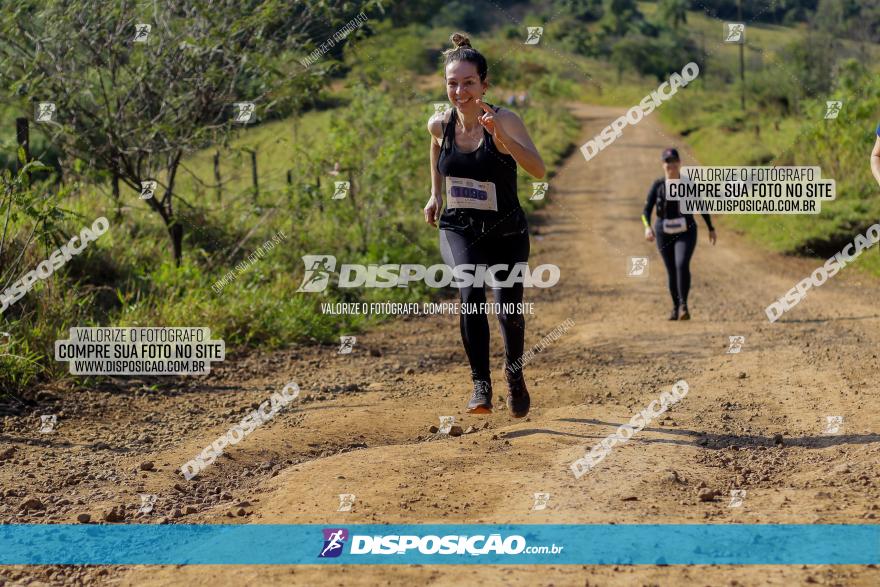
(719,441)
(824,320)
(531,431)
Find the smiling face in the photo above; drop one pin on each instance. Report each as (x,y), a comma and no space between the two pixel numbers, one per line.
(463,86)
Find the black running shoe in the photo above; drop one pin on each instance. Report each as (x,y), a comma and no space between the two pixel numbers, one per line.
(674,315)
(684,314)
(518,400)
(481,401)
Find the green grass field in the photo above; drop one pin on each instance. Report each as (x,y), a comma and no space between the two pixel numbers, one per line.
(369,129)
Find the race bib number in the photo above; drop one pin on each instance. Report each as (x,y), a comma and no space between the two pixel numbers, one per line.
(468,193)
(674,225)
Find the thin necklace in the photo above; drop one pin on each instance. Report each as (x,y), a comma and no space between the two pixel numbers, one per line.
(473,134)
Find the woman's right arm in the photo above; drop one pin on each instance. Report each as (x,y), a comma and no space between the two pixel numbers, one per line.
(875,159)
(435,202)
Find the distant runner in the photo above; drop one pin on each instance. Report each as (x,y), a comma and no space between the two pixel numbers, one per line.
(676,235)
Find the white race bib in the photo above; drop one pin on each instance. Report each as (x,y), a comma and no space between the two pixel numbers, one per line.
(469,193)
(674,225)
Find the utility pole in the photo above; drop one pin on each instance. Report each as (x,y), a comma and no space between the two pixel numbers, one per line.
(742,60)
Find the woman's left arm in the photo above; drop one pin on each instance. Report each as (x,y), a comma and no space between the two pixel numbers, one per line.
(513,139)
(875,157)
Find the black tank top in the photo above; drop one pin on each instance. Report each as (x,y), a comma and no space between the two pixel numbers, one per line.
(487,163)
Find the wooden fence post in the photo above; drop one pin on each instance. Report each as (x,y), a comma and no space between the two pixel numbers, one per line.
(318,192)
(254,174)
(115,185)
(217,175)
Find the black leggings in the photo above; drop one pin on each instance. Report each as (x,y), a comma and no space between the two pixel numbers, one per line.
(469,247)
(677,250)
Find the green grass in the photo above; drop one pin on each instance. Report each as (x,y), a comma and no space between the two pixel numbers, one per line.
(275,143)
(374,128)
(372,123)
(718,131)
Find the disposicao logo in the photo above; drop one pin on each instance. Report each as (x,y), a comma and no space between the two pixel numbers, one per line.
(334,540)
(410,545)
(319,269)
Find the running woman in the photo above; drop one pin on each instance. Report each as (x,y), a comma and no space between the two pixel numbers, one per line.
(676,235)
(475,149)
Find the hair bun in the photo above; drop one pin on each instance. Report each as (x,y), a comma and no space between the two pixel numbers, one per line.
(460,40)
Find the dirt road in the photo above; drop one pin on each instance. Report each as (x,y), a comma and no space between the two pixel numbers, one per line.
(363,427)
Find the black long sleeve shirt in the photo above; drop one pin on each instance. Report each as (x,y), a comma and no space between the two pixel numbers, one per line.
(667,208)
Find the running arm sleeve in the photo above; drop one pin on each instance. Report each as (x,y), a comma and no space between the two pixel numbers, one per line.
(649,205)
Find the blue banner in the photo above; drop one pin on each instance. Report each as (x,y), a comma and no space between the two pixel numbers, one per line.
(530,544)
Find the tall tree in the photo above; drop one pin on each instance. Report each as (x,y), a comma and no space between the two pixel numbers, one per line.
(133,107)
(583,10)
(621,16)
(673,12)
